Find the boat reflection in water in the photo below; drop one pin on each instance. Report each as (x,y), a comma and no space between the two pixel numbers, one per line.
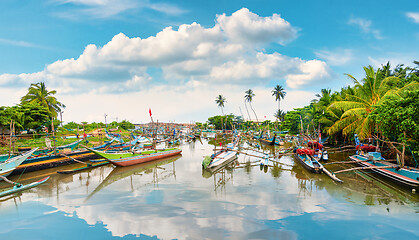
(154,167)
(221,175)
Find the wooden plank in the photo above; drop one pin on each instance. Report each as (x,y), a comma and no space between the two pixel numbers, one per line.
(362,168)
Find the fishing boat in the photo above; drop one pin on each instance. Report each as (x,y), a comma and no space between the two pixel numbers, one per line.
(9,165)
(304,157)
(20,187)
(222,157)
(268,141)
(407,176)
(125,158)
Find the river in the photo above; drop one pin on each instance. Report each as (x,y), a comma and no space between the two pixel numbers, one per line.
(175,199)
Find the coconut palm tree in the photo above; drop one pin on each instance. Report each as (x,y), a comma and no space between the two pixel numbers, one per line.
(278,92)
(368,93)
(220,100)
(249,98)
(38,93)
(279,115)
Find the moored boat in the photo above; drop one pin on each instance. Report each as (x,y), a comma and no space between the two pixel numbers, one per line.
(123,158)
(9,165)
(304,157)
(404,175)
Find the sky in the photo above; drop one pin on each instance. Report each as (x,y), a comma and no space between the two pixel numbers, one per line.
(121,58)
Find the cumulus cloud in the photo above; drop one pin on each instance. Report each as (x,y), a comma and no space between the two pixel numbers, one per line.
(226,56)
(366,26)
(222,53)
(245,26)
(414,16)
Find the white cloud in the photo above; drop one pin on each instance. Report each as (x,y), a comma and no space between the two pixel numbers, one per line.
(313,71)
(111,8)
(20,43)
(414,16)
(191,56)
(245,26)
(366,26)
(337,57)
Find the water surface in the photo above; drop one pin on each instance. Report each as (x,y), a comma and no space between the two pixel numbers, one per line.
(175,199)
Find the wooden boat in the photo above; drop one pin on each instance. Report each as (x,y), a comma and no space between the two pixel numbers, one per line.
(20,187)
(222,157)
(307,161)
(123,158)
(270,141)
(9,165)
(404,175)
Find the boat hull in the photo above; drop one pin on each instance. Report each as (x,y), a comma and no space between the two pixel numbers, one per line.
(142,159)
(124,159)
(315,168)
(406,177)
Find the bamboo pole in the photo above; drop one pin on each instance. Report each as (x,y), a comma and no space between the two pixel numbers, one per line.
(362,168)
(8,181)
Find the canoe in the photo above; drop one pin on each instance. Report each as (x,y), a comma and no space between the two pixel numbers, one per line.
(123,158)
(266,141)
(406,176)
(308,162)
(20,187)
(9,165)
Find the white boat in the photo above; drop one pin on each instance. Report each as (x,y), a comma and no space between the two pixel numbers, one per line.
(7,167)
(224,156)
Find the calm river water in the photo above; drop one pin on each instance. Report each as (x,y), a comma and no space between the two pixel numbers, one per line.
(175,199)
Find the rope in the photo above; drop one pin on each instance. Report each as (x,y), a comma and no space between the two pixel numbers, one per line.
(21,174)
(413,155)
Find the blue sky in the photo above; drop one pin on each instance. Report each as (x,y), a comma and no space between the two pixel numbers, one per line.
(122,57)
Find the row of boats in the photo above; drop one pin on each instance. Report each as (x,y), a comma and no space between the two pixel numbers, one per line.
(311,155)
(115,151)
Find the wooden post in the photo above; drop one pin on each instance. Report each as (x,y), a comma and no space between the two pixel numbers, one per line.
(53,135)
(10,139)
(404,147)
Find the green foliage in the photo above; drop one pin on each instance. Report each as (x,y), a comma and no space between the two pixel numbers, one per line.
(38,93)
(398,115)
(72,125)
(218,121)
(126,125)
(25,115)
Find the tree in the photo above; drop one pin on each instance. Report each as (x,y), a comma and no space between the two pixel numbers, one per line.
(126,125)
(370,91)
(279,115)
(398,118)
(249,98)
(38,93)
(220,100)
(279,93)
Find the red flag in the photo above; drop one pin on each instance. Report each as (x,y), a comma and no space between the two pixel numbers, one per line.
(149,111)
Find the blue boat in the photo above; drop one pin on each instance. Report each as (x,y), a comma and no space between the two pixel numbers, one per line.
(308,162)
(408,176)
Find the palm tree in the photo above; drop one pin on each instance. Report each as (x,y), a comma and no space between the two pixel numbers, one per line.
(220,100)
(279,115)
(278,93)
(38,93)
(249,98)
(359,103)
